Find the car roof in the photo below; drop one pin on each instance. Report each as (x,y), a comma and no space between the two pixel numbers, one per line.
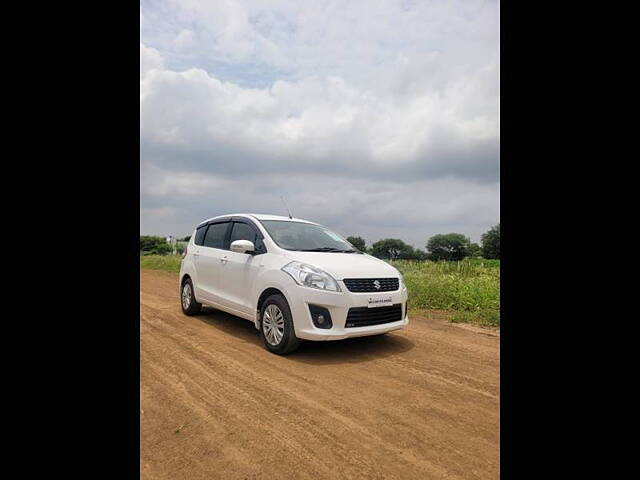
(256,216)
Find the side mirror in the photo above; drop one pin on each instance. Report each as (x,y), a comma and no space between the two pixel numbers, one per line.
(242,246)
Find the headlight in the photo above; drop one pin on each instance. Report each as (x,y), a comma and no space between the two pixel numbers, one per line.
(310,276)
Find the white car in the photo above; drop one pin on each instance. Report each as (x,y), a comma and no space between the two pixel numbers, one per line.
(292,278)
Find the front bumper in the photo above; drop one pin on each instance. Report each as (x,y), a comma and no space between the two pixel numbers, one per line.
(338,304)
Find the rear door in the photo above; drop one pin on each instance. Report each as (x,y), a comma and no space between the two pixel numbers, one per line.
(208,260)
(239,272)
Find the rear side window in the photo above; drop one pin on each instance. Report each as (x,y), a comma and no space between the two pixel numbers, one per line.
(214,237)
(199,239)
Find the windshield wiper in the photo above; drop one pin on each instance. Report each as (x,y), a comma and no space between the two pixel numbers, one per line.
(328,249)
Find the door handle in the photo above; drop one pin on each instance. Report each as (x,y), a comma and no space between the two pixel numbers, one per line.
(224,260)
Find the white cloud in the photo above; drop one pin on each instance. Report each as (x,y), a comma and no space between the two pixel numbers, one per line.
(312,120)
(387,109)
(150,59)
(356,40)
(184,39)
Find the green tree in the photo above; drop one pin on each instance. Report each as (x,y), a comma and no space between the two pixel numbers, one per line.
(475,250)
(149,243)
(491,242)
(186,239)
(155,245)
(411,253)
(390,249)
(358,242)
(448,246)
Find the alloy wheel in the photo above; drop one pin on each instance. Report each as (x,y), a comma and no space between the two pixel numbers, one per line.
(273,324)
(186,296)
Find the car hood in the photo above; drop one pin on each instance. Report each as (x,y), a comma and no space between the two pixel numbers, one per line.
(346,265)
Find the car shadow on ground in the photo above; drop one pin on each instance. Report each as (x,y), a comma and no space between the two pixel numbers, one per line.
(351,350)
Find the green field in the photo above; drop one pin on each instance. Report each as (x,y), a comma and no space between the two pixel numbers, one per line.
(169,263)
(469,289)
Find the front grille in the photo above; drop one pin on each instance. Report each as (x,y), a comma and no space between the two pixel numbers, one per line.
(365,316)
(369,285)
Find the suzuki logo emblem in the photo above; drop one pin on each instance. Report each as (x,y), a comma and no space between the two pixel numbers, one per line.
(376,283)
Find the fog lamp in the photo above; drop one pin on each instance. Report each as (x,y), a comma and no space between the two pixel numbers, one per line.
(320,316)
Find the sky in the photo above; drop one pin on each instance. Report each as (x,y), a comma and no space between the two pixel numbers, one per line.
(378,119)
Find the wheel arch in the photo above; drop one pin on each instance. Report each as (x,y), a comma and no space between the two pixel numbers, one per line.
(183,278)
(266,293)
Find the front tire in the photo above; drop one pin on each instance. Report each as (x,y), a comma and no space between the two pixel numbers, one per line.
(188,299)
(276,326)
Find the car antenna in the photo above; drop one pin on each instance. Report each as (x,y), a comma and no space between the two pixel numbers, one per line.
(285,206)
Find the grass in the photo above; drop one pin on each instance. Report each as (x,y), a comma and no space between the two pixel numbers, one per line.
(169,263)
(469,290)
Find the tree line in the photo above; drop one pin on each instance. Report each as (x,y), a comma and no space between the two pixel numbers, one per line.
(444,246)
(154,245)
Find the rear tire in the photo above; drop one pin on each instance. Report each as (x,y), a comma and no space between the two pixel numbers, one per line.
(188,299)
(276,326)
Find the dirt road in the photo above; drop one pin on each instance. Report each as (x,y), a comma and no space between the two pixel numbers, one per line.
(421,403)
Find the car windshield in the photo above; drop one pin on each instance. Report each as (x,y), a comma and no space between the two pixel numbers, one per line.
(306,237)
